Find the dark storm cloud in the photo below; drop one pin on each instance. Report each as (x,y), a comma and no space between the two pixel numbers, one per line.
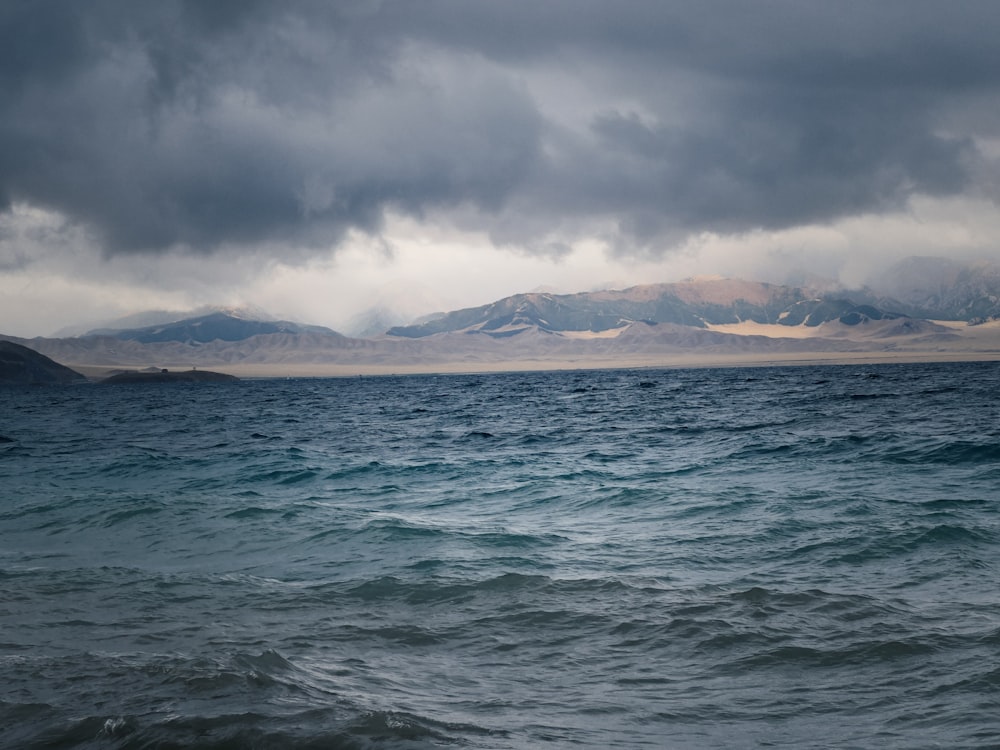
(158,125)
(204,124)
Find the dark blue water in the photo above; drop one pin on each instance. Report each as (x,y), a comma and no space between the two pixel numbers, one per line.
(790,557)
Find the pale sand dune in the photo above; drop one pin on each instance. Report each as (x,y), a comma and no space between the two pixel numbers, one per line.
(984,332)
(771,330)
(862,332)
(590,335)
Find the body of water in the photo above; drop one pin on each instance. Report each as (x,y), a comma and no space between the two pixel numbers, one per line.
(770,557)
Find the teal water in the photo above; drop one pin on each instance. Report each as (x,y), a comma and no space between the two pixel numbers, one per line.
(786,557)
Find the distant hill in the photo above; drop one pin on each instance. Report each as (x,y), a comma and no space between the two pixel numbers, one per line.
(217,326)
(149,318)
(20,365)
(169,376)
(696,303)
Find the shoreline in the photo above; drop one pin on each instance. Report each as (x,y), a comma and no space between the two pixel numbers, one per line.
(272,371)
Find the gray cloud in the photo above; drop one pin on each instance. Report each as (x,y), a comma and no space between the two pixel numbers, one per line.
(238,124)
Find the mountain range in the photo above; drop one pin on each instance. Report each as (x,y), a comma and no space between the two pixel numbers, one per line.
(709,319)
(696,303)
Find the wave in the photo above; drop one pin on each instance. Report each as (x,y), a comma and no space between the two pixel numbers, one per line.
(294,706)
(307,730)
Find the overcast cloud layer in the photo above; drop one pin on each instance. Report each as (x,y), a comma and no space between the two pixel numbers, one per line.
(269,129)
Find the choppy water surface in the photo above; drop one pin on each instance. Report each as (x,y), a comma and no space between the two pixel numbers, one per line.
(789,557)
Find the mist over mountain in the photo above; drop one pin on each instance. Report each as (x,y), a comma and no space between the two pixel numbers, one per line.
(943,288)
(373,322)
(396,303)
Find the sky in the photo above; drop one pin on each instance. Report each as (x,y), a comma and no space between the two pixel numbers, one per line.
(319,158)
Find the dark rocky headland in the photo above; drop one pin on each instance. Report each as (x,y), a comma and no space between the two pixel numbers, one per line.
(20,365)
